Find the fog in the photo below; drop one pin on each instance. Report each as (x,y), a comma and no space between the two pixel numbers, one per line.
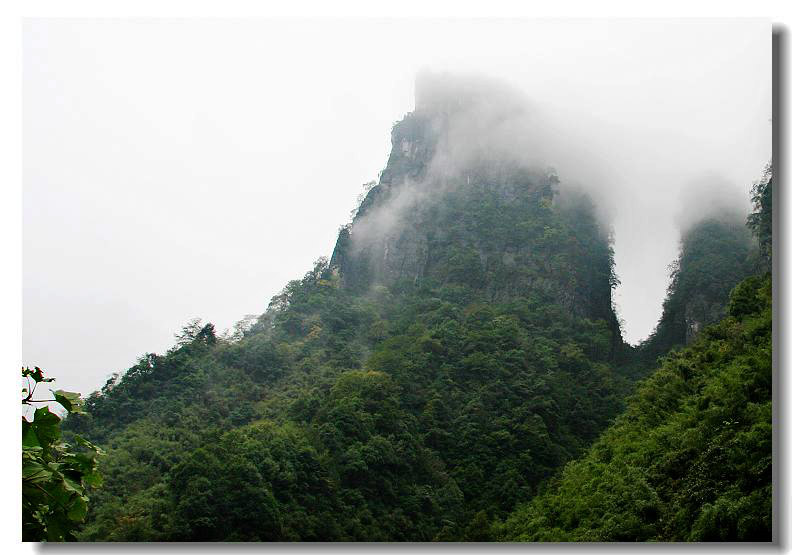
(189,168)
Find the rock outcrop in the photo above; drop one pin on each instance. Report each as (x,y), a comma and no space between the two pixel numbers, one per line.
(457,205)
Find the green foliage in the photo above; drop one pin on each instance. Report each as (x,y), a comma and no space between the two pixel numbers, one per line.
(715,256)
(761,220)
(689,460)
(56,476)
(417,410)
(424,383)
(496,234)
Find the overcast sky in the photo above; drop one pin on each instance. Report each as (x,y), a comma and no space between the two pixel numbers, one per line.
(181,169)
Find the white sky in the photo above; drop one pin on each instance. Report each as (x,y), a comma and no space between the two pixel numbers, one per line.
(180,169)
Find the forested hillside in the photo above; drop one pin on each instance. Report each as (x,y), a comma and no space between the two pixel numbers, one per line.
(456,351)
(691,457)
(715,256)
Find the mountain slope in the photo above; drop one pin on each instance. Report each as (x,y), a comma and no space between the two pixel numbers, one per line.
(456,205)
(455,351)
(715,256)
(691,457)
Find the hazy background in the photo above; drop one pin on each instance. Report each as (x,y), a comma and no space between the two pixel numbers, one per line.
(190,168)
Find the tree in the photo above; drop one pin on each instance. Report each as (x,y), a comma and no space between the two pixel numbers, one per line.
(761,220)
(55,475)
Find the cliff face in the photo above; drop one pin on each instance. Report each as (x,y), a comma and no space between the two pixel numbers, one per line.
(457,206)
(715,255)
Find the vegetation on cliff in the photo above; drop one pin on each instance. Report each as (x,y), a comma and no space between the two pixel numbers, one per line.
(459,348)
(691,457)
(412,411)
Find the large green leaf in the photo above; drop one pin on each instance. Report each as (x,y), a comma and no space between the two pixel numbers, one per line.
(34,471)
(46,425)
(29,438)
(70,401)
(54,476)
(78,509)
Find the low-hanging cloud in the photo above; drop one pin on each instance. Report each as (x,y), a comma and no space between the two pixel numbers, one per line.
(167,176)
(648,185)
(710,196)
(482,125)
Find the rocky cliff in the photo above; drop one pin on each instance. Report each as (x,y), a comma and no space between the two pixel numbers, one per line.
(715,255)
(457,204)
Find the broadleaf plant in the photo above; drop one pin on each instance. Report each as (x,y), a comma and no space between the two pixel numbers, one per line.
(55,475)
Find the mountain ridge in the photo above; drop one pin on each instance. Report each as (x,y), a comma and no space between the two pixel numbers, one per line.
(459,347)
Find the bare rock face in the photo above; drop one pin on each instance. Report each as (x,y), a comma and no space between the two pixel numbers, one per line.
(414,141)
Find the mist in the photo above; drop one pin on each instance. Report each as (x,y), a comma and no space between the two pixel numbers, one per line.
(190,168)
(474,126)
(711,196)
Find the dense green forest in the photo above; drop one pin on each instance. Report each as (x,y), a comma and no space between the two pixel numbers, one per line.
(399,414)
(715,256)
(691,457)
(431,379)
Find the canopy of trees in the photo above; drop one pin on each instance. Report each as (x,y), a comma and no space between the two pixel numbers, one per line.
(690,459)
(437,405)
